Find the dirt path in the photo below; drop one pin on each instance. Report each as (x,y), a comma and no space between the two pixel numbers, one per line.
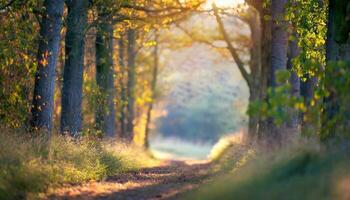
(167,181)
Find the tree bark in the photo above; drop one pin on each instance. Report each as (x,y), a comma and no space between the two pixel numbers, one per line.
(265,79)
(122,82)
(337,46)
(71,116)
(131,35)
(43,99)
(337,49)
(294,81)
(307,89)
(254,23)
(279,44)
(153,88)
(105,113)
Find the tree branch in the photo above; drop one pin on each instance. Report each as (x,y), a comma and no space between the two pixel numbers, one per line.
(190,35)
(230,47)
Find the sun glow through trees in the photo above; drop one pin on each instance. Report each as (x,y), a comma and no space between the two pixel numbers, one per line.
(224,3)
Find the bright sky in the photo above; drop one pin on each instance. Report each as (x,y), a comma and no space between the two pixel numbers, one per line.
(224,3)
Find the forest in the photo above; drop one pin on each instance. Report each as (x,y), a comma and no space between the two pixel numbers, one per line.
(175,99)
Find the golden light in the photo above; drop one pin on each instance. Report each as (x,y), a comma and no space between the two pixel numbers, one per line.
(224,3)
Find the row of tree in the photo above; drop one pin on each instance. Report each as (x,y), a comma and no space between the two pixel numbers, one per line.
(76,29)
(297,73)
(114,25)
(312,44)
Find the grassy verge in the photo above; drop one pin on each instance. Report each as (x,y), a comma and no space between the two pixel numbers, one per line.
(293,174)
(29,167)
(231,153)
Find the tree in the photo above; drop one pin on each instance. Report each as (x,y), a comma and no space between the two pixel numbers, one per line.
(308,19)
(43,97)
(253,78)
(294,80)
(279,46)
(335,119)
(105,113)
(131,46)
(122,85)
(265,81)
(153,87)
(71,116)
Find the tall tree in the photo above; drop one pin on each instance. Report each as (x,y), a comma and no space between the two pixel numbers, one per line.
(337,49)
(294,80)
(122,84)
(43,99)
(71,116)
(131,50)
(265,49)
(105,113)
(307,91)
(153,88)
(279,44)
(308,86)
(310,62)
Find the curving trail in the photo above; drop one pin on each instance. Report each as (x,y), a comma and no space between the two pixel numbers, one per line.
(167,181)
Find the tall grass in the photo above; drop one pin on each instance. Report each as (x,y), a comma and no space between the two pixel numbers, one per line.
(30,166)
(292,174)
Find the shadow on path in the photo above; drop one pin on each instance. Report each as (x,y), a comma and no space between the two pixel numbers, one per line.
(167,181)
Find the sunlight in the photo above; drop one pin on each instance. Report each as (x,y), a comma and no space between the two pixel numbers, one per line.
(224,3)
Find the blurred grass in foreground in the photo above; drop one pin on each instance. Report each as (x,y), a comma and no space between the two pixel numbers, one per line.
(297,173)
(30,166)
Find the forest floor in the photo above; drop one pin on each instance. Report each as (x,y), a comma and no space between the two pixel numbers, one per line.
(167,181)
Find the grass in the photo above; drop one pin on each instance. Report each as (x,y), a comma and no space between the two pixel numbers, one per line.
(293,174)
(29,166)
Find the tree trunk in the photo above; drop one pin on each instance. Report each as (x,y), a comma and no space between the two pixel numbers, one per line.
(154,84)
(279,44)
(254,23)
(105,113)
(330,103)
(307,89)
(338,31)
(71,116)
(43,99)
(254,119)
(337,49)
(265,79)
(122,83)
(131,83)
(294,81)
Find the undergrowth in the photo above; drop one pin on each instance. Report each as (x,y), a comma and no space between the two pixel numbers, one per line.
(28,167)
(293,174)
(231,153)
